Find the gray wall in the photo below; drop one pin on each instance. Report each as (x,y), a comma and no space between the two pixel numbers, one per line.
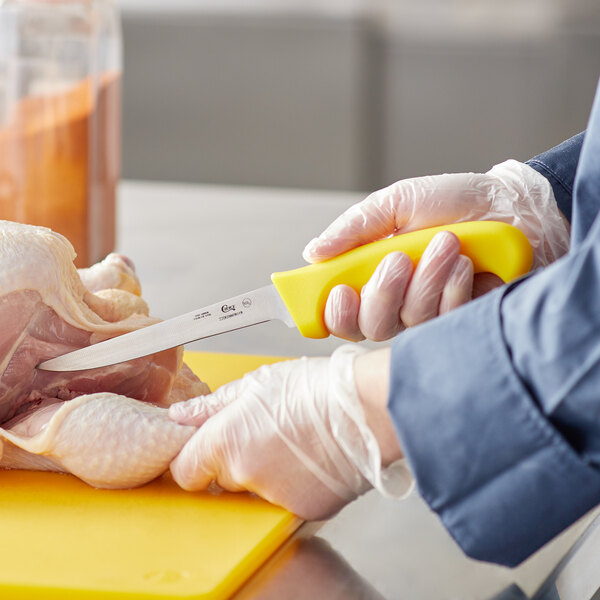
(466,106)
(246,100)
(350,99)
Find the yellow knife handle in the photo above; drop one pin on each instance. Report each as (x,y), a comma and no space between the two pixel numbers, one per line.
(492,246)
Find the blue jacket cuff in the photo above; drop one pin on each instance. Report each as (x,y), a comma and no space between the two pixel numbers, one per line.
(559,165)
(485,458)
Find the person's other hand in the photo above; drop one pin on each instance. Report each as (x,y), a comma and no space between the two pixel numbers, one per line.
(396,297)
(295,433)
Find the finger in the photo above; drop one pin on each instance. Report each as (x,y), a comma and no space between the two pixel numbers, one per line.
(189,470)
(484,283)
(422,299)
(459,286)
(201,461)
(382,297)
(196,411)
(404,206)
(372,219)
(341,313)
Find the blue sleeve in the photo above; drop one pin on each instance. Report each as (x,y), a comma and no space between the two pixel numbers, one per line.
(559,165)
(477,396)
(497,404)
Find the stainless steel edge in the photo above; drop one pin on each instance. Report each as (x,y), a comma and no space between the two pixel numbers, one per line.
(244,310)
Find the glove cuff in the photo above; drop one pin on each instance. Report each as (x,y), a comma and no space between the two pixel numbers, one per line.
(353,435)
(534,208)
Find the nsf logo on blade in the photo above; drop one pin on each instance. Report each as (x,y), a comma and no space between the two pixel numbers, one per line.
(227,308)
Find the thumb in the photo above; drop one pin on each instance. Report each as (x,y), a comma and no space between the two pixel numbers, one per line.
(381,214)
(367,221)
(404,206)
(190,468)
(197,411)
(205,458)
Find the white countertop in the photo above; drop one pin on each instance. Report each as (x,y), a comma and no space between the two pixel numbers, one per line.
(195,245)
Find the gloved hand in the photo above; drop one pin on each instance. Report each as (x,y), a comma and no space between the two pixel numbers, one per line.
(511,192)
(294,433)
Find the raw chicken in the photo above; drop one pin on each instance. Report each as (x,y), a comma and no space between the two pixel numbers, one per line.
(108,426)
(114,272)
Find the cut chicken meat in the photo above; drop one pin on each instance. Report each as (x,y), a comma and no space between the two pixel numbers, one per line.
(108,426)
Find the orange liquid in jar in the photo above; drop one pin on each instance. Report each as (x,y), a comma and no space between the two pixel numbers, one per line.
(60,164)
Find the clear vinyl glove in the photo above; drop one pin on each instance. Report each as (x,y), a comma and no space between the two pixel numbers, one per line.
(295,433)
(395,297)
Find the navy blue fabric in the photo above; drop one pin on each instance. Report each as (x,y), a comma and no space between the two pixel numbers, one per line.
(557,353)
(497,404)
(587,185)
(559,166)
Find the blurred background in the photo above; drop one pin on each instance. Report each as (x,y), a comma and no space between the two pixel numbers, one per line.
(341,96)
(350,94)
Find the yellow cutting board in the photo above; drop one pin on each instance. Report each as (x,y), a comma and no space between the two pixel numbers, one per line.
(62,539)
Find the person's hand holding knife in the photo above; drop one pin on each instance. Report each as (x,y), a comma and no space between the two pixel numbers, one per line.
(398,296)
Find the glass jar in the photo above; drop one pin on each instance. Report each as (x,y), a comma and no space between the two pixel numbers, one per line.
(60,119)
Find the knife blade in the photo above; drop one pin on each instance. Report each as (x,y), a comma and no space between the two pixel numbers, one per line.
(298,297)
